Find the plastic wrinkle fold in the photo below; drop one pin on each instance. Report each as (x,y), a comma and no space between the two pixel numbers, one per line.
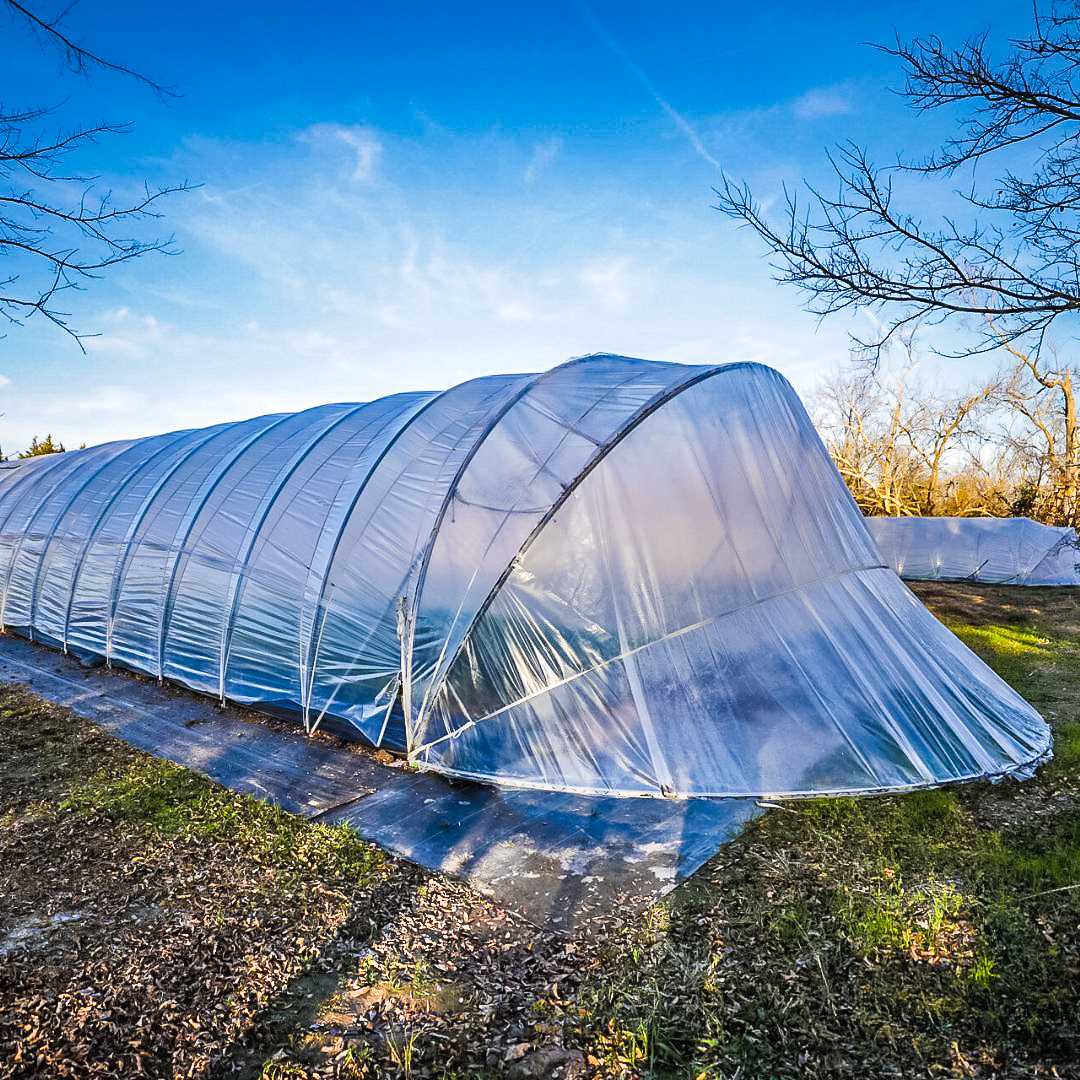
(616,577)
(603,663)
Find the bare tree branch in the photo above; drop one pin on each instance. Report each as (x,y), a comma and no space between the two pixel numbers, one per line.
(59,229)
(79,58)
(1007,266)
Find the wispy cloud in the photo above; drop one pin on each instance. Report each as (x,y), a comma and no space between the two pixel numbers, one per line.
(114,399)
(361,141)
(682,125)
(543,155)
(823,101)
(613,282)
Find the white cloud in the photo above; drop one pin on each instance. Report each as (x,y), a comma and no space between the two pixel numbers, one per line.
(363,142)
(613,282)
(543,155)
(823,101)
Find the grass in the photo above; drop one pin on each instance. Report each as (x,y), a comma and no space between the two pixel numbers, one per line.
(931,934)
(177,803)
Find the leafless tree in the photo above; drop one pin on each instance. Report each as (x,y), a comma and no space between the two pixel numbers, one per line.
(1045,396)
(903,447)
(1006,266)
(935,425)
(58,228)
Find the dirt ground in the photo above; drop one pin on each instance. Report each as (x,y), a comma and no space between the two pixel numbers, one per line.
(154,924)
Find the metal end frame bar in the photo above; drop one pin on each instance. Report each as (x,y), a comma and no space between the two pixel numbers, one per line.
(410,618)
(542,466)
(448,498)
(602,451)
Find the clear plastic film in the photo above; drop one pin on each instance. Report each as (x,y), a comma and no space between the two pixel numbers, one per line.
(617,576)
(706,614)
(994,551)
(354,647)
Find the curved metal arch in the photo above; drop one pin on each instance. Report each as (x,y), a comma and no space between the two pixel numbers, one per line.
(236,588)
(31,479)
(198,504)
(80,488)
(92,534)
(602,452)
(309,650)
(451,491)
(120,569)
(17,549)
(542,466)
(315,640)
(322,613)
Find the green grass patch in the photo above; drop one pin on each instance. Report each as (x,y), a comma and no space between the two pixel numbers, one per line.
(1067,746)
(934,834)
(1032,860)
(1016,652)
(892,917)
(175,802)
(1008,640)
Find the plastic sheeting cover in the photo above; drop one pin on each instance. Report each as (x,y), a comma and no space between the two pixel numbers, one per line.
(617,576)
(994,551)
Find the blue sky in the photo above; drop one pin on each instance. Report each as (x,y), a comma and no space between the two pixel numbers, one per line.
(404,196)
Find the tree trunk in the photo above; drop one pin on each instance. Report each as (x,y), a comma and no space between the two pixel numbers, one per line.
(1070,481)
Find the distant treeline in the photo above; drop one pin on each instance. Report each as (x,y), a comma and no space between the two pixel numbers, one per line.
(37,448)
(1007,446)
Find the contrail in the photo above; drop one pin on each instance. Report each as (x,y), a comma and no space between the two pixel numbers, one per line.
(685,128)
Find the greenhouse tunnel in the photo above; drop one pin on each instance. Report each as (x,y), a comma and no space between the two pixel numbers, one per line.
(617,577)
(984,550)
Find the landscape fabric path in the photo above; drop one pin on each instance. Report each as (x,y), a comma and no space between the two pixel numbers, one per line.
(556,858)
